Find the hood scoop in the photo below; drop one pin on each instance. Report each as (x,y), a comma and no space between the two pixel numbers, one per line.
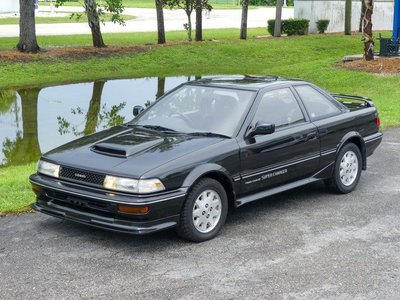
(124,150)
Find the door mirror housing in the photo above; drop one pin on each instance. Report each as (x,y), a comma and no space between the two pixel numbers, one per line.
(137,109)
(261,129)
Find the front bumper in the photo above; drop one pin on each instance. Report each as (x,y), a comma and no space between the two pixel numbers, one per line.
(99,208)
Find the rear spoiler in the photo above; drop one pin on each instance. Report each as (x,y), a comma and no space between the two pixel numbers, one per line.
(367,102)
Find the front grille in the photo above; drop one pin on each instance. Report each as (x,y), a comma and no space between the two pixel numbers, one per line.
(81,176)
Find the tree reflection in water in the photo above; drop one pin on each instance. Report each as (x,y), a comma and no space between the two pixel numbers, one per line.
(95,115)
(25,148)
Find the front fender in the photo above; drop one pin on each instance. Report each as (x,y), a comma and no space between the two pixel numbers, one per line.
(203,170)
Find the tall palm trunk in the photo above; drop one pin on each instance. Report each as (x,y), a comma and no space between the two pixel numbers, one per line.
(363,8)
(243,25)
(367,31)
(347,18)
(199,21)
(278,18)
(27,32)
(160,21)
(94,23)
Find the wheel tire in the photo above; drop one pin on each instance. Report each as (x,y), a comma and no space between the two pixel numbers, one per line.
(347,172)
(208,192)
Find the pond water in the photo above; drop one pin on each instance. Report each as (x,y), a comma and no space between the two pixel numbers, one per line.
(36,120)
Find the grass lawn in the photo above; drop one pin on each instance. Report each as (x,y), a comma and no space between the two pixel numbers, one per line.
(60,19)
(314,58)
(15,190)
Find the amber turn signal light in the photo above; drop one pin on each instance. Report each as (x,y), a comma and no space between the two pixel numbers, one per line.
(139,210)
(36,189)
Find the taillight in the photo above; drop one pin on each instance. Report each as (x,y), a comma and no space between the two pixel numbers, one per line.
(378,121)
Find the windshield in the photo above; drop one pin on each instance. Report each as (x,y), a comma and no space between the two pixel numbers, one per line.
(194,108)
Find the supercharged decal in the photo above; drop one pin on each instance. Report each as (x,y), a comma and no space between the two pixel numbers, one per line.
(267,176)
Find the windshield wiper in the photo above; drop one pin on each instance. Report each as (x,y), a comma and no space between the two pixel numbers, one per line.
(209,134)
(158,128)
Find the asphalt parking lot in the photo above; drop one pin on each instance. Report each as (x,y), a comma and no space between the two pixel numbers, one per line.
(302,244)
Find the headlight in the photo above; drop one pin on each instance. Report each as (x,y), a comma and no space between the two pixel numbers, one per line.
(47,168)
(141,186)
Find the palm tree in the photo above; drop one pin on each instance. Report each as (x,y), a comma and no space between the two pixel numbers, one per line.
(160,21)
(367,31)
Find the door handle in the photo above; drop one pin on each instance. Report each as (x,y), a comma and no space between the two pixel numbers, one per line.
(311,136)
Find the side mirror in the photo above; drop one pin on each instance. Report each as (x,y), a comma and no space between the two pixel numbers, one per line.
(261,129)
(137,109)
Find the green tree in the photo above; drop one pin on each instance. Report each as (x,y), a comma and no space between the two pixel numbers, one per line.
(160,21)
(188,6)
(278,18)
(27,27)
(95,10)
(243,24)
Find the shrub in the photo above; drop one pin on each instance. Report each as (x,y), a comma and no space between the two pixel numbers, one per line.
(290,27)
(271,26)
(322,25)
(295,26)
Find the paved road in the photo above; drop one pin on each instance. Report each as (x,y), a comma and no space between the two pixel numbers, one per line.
(303,244)
(146,21)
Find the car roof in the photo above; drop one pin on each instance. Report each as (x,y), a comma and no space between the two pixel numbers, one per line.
(252,82)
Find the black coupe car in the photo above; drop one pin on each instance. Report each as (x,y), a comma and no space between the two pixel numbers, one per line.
(205,146)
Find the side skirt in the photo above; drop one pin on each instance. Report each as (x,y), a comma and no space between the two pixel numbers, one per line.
(320,175)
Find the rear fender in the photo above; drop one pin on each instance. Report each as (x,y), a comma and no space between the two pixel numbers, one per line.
(355,138)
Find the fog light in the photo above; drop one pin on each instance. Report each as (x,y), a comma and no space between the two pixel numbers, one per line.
(139,210)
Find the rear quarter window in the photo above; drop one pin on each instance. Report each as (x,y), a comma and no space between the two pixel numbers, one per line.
(317,105)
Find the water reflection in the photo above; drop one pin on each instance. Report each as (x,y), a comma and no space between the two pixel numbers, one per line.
(35,120)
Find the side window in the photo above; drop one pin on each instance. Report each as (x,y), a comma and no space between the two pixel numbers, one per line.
(279,107)
(317,105)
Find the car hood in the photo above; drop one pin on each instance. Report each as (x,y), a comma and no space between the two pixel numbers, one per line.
(128,152)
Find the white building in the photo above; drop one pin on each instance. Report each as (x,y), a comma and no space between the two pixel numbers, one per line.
(333,10)
(9,6)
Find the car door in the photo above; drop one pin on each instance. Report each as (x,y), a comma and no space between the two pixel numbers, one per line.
(326,115)
(289,154)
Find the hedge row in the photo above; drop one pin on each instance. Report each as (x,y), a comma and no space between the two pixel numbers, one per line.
(291,26)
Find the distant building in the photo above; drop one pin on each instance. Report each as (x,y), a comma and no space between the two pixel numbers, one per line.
(9,6)
(333,10)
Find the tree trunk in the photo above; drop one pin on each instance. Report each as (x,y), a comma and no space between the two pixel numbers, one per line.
(278,18)
(160,87)
(347,18)
(189,25)
(243,25)
(94,23)
(199,21)
(27,31)
(160,21)
(367,31)
(363,8)
(92,115)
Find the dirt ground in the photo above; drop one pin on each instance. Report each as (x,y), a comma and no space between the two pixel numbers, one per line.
(381,65)
(71,52)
